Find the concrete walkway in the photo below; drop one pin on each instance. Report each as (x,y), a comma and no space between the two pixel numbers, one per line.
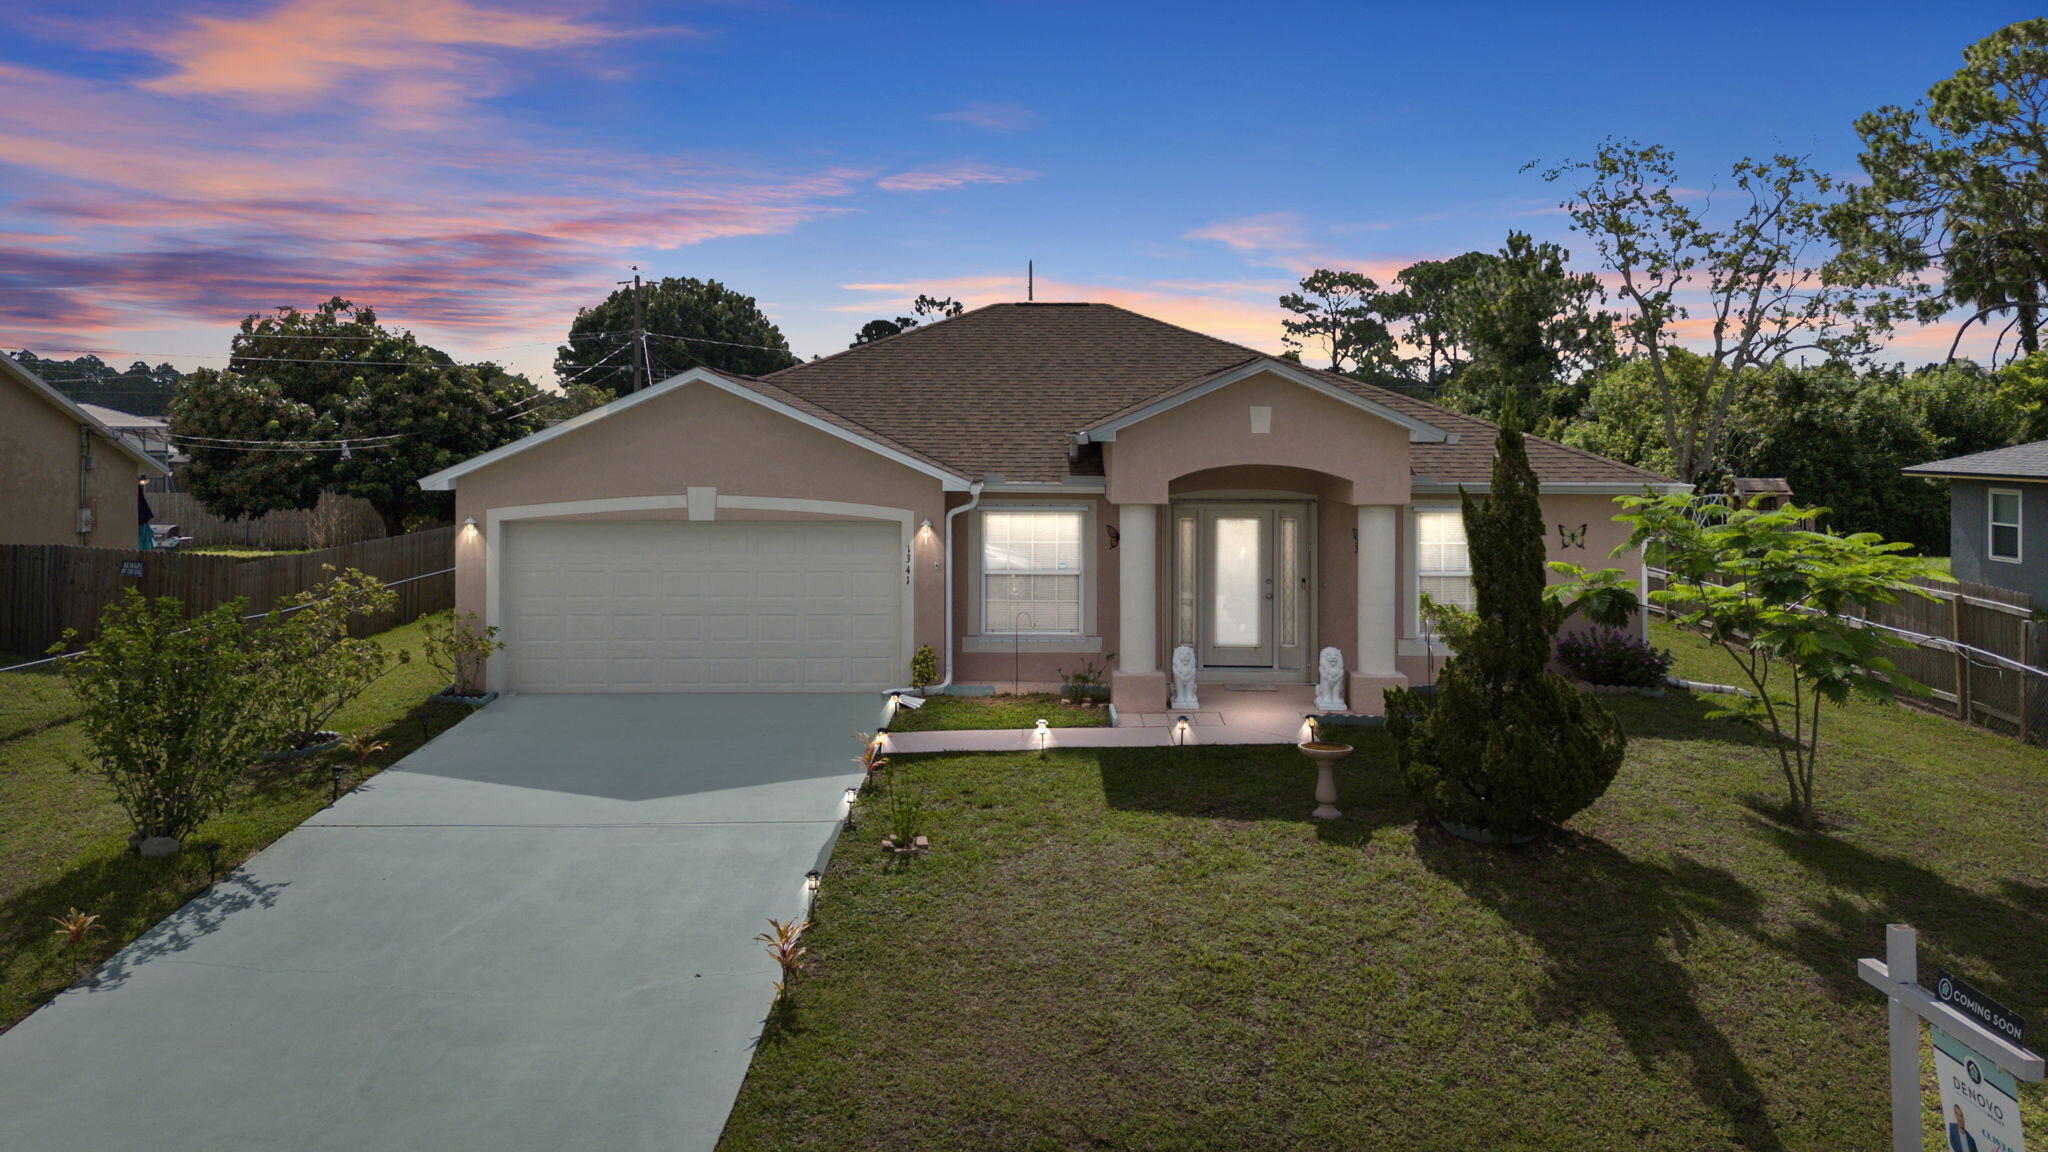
(1272,715)
(534,933)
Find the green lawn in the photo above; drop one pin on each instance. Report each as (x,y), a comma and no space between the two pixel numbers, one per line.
(946,713)
(63,842)
(1156,949)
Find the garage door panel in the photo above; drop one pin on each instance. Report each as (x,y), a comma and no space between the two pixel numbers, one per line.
(674,606)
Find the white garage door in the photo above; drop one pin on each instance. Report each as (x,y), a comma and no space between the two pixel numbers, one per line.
(680,606)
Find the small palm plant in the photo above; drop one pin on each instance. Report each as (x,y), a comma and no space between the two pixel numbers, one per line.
(781,939)
(74,925)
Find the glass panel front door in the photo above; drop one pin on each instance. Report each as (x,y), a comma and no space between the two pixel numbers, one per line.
(1241,584)
(1238,587)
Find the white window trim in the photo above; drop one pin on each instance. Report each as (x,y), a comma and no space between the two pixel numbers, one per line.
(1411,575)
(1087,639)
(1993,524)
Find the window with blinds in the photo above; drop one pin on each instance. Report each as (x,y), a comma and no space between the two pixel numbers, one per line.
(1443,565)
(1031,569)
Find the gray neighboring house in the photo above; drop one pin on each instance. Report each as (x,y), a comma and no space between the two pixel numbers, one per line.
(1998,516)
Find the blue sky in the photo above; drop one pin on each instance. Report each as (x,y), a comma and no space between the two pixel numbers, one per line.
(477,169)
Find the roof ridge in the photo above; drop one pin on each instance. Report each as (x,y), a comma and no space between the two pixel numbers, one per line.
(920,327)
(1351,381)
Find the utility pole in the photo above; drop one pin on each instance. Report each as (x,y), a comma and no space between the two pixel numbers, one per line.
(640,365)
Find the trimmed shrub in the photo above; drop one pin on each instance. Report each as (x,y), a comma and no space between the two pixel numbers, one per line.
(1603,656)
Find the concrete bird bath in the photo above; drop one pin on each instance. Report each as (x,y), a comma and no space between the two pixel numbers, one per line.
(1325,755)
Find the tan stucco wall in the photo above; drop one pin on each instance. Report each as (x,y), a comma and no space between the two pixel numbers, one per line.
(1002,669)
(1603,535)
(1365,453)
(39,477)
(701,436)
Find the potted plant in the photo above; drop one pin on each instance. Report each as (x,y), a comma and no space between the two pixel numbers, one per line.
(457,647)
(1087,685)
(1507,748)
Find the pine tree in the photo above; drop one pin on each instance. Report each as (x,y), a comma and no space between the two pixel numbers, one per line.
(1505,746)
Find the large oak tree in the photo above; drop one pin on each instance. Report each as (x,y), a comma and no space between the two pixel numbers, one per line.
(690,323)
(268,431)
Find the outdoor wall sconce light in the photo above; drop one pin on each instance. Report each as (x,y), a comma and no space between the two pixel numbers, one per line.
(469,526)
(811,879)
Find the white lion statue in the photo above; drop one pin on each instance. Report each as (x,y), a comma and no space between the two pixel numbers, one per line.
(1184,678)
(1330,681)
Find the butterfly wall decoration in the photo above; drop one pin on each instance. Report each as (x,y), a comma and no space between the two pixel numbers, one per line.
(1569,538)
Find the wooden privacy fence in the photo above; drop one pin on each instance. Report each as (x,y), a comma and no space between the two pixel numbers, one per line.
(334,521)
(1977,646)
(46,588)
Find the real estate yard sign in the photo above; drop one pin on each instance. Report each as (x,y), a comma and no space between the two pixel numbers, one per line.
(1980,1104)
(1978,1053)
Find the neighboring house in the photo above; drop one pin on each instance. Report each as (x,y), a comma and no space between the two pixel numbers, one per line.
(150,435)
(1997,516)
(65,476)
(1085,480)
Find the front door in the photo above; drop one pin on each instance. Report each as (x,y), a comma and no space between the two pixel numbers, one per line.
(1243,585)
(1237,569)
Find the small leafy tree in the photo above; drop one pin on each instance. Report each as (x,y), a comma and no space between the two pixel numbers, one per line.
(172,709)
(1507,746)
(456,647)
(316,666)
(1779,598)
(924,667)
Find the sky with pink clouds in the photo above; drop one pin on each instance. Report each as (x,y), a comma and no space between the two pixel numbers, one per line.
(477,169)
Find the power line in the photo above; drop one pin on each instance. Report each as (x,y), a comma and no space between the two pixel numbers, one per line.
(724,343)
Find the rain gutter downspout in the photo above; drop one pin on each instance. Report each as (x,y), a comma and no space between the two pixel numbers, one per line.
(974,499)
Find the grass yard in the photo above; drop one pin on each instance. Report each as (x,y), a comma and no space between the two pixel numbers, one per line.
(951,713)
(1157,949)
(63,842)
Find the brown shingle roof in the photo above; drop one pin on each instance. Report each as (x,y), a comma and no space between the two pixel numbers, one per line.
(1003,388)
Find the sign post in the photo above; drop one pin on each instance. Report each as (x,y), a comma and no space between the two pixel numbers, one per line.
(1977,1052)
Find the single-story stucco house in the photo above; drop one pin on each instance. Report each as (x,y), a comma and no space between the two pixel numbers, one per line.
(1024,488)
(65,476)
(1997,516)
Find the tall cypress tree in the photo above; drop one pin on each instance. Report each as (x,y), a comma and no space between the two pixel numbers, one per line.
(1505,746)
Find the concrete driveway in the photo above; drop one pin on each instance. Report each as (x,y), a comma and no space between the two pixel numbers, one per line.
(533,933)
